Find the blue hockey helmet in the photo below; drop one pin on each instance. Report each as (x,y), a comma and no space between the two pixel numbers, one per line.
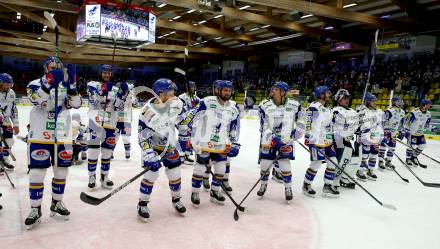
(283,86)
(320,90)
(397,101)
(369,97)
(223,84)
(49,61)
(163,85)
(6,78)
(424,102)
(105,68)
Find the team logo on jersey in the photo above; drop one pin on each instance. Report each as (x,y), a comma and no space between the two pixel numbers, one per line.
(286,149)
(65,155)
(111,140)
(40,155)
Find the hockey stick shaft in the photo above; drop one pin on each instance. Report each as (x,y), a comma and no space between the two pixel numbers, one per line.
(410,147)
(7,176)
(371,65)
(96,201)
(426,184)
(353,180)
(226,192)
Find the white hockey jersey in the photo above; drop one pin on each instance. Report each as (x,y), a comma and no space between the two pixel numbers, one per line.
(278,120)
(214,126)
(102,107)
(394,119)
(157,127)
(417,122)
(8,108)
(319,127)
(345,124)
(371,125)
(42,115)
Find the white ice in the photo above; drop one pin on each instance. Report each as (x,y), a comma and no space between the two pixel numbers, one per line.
(352,221)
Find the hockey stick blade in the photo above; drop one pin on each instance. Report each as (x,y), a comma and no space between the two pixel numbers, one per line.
(389,206)
(179,71)
(91,199)
(236,217)
(51,20)
(426,184)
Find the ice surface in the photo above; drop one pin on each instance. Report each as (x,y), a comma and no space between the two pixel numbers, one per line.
(352,221)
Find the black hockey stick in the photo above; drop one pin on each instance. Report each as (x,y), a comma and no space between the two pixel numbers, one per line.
(426,184)
(7,175)
(403,179)
(96,201)
(226,192)
(410,147)
(383,204)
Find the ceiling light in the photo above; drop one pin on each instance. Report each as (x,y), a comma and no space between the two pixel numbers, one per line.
(45,27)
(257,28)
(176,17)
(385,17)
(306,16)
(59,1)
(18,14)
(274,39)
(244,7)
(265,26)
(173,32)
(162,5)
(195,24)
(18,17)
(52,14)
(190,11)
(201,22)
(349,5)
(39,38)
(195,44)
(170,20)
(329,28)
(218,38)
(217,16)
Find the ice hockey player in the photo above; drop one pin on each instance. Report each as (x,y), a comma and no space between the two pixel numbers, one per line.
(371,135)
(8,117)
(79,140)
(345,124)
(157,139)
(417,122)
(49,142)
(319,138)
(215,131)
(125,117)
(190,102)
(278,116)
(103,103)
(394,119)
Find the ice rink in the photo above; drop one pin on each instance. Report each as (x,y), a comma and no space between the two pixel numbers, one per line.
(352,221)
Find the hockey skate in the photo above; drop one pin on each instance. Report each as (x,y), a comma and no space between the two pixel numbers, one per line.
(7,165)
(216,197)
(409,162)
(360,174)
(347,184)
(389,165)
(416,162)
(92,181)
(178,206)
(308,190)
(34,218)
(105,182)
(127,154)
(2,170)
(289,194)
(143,211)
(226,186)
(206,185)
(262,190)
(58,208)
(330,191)
(371,175)
(381,165)
(1,207)
(195,199)
(83,155)
(276,176)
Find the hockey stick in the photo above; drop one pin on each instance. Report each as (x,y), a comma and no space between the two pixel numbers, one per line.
(54,25)
(426,184)
(96,201)
(226,192)
(385,205)
(7,175)
(114,37)
(410,147)
(403,179)
(371,65)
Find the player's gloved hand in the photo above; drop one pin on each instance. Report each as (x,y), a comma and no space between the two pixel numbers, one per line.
(151,159)
(401,135)
(53,78)
(235,148)
(306,142)
(123,90)
(106,87)
(276,143)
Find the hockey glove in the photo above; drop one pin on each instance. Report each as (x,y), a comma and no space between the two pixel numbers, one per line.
(151,160)
(401,135)
(234,150)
